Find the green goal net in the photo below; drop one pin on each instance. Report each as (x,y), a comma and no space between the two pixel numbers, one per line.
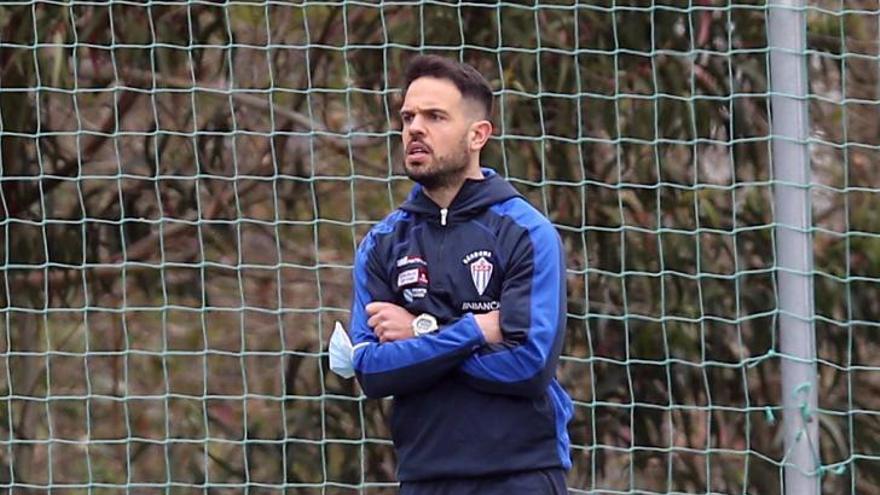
(183,185)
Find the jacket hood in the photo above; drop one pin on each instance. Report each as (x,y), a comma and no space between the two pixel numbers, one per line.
(473,197)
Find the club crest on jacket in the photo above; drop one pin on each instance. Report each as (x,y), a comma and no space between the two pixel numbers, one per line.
(481,268)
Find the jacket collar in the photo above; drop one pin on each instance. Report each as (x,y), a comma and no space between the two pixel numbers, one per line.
(473,197)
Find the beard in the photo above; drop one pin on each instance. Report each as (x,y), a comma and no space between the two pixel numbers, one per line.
(441,171)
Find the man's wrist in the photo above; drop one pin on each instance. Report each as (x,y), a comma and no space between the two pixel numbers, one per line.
(424,324)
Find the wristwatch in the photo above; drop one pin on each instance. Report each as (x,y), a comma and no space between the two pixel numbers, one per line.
(424,324)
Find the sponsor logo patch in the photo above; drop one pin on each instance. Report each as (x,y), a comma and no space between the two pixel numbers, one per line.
(480,306)
(414,293)
(408,277)
(411,260)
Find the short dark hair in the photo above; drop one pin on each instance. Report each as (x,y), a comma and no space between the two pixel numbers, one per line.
(468,80)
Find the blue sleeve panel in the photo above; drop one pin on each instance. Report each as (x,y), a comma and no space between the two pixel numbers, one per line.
(533,309)
(405,366)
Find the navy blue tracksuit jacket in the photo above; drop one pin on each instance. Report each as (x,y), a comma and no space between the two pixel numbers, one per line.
(463,408)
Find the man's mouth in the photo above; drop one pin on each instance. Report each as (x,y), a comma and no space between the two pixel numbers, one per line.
(416,151)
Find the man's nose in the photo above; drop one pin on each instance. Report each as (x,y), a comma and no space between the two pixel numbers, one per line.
(416,126)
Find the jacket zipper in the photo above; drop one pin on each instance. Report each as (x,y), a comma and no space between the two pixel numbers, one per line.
(443,214)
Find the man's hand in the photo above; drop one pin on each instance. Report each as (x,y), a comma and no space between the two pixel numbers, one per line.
(389,321)
(491,326)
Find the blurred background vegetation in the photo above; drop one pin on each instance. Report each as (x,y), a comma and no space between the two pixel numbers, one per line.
(184,184)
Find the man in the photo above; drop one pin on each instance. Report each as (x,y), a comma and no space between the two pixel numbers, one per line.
(459,307)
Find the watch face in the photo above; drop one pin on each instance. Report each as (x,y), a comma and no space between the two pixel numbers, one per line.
(424,325)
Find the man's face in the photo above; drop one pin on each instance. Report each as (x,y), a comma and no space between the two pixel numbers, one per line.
(436,120)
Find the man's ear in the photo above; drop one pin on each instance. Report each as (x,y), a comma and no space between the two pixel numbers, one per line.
(479,135)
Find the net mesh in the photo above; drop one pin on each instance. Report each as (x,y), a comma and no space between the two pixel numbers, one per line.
(183,184)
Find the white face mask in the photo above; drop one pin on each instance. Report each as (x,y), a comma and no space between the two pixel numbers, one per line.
(341,352)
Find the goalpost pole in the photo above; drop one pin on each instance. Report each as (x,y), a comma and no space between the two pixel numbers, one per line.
(789,88)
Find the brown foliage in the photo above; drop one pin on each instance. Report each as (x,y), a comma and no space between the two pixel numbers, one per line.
(183,187)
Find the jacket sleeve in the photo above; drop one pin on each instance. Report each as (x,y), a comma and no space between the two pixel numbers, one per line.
(405,366)
(533,311)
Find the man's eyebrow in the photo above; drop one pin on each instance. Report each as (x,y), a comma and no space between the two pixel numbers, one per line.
(424,110)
